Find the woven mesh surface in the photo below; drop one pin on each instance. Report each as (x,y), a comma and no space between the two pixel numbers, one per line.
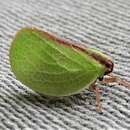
(101,24)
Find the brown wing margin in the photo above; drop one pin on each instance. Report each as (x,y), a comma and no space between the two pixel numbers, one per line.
(102,60)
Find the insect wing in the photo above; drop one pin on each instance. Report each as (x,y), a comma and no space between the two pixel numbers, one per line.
(49,67)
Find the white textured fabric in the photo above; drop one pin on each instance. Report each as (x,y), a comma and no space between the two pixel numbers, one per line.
(101,24)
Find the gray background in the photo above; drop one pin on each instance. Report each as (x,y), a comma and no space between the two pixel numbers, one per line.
(101,24)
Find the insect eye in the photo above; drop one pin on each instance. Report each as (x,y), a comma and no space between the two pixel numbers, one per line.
(109,66)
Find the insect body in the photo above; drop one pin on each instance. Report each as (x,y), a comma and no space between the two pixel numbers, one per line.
(53,66)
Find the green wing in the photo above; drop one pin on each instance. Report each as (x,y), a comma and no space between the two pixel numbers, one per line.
(49,67)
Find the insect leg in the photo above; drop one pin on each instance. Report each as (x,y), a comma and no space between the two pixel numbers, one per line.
(98,103)
(97,90)
(113,78)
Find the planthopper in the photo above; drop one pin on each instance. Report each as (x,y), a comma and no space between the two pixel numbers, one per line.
(56,67)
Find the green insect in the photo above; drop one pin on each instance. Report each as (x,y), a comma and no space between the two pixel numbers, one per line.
(55,67)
